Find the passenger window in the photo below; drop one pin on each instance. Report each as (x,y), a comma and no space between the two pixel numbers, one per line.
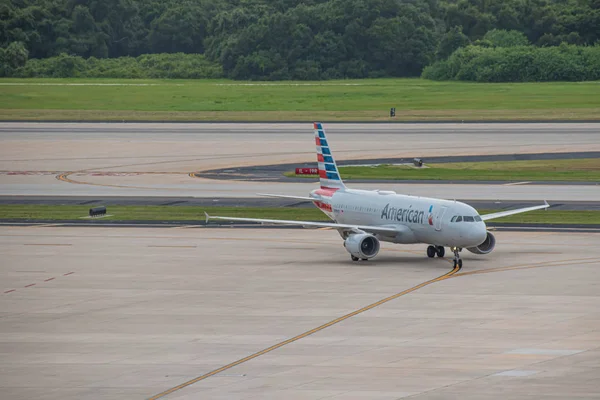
(469,219)
(477,218)
(459,219)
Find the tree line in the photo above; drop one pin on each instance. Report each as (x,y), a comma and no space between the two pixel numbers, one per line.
(518,64)
(291,39)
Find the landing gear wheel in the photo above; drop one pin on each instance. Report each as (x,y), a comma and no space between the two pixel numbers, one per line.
(354,258)
(440,251)
(365,259)
(431,251)
(457,261)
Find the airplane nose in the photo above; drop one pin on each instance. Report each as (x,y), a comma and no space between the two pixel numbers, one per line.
(480,233)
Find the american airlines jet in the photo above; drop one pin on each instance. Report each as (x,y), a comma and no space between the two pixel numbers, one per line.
(363,218)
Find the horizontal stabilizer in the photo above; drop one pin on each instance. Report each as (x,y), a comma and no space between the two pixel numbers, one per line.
(283,196)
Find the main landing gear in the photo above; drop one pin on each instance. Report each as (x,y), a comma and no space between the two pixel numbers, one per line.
(354,258)
(432,251)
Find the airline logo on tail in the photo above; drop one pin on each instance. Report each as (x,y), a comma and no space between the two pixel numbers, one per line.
(329,175)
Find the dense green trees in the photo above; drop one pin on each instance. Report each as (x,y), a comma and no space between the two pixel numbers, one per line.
(544,22)
(171,66)
(282,39)
(107,28)
(503,38)
(12,57)
(519,64)
(332,39)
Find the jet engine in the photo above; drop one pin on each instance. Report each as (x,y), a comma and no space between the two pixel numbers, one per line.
(362,245)
(486,247)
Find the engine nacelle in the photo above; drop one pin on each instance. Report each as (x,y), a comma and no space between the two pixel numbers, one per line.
(486,247)
(362,245)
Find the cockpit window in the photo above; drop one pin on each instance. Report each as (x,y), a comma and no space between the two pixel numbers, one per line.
(465,218)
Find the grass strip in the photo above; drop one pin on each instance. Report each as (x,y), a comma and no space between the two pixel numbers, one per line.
(577,170)
(369,99)
(184,213)
(155,213)
(583,114)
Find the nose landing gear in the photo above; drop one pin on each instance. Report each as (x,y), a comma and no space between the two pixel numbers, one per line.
(457,260)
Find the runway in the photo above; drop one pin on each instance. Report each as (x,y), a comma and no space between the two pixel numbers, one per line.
(105,313)
(143,160)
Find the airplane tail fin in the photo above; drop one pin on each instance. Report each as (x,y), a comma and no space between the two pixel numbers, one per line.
(329,175)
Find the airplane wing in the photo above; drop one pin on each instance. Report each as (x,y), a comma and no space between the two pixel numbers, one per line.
(512,212)
(283,196)
(309,224)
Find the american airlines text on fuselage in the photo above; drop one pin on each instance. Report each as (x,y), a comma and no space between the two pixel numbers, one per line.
(402,214)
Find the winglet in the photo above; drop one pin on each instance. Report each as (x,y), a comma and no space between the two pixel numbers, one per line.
(207,217)
(546,204)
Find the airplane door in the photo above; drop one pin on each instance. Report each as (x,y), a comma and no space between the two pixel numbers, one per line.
(438,218)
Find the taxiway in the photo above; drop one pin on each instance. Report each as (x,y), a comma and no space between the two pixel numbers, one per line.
(95,313)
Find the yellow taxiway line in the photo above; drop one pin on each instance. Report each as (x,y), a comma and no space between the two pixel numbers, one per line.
(305,334)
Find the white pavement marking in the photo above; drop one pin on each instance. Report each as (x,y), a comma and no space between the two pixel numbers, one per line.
(516,183)
(517,373)
(545,352)
(187,226)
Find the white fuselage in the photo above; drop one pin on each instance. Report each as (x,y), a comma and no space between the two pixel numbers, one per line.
(418,219)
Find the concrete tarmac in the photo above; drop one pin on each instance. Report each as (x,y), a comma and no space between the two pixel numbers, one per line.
(131,313)
(156,159)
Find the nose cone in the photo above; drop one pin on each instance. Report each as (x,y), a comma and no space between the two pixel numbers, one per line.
(479,233)
(474,233)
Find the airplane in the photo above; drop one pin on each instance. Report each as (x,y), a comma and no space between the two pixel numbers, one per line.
(364,218)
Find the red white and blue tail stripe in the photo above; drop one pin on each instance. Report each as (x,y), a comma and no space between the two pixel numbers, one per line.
(328,171)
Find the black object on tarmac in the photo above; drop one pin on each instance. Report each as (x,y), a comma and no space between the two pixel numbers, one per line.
(97,211)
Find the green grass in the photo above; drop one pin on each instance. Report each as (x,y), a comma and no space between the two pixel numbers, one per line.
(414,99)
(155,213)
(580,170)
(183,213)
(549,217)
